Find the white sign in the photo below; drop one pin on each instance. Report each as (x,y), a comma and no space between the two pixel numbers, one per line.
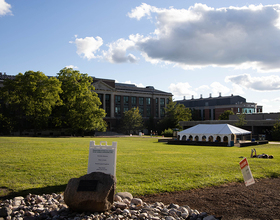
(247,175)
(102,158)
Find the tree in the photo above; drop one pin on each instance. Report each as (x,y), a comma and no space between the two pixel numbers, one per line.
(81,105)
(132,120)
(276,131)
(31,95)
(241,120)
(225,115)
(173,114)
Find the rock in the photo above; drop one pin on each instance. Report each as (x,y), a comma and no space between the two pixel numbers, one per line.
(175,206)
(137,201)
(125,195)
(209,217)
(120,205)
(92,192)
(5,211)
(117,198)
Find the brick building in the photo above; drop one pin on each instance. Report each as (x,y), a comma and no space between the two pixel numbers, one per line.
(212,107)
(117,98)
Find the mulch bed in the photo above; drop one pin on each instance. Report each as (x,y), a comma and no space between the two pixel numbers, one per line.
(230,201)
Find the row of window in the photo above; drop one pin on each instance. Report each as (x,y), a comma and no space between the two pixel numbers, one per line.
(126,102)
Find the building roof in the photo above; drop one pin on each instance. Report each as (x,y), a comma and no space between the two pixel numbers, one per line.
(213,129)
(213,101)
(134,88)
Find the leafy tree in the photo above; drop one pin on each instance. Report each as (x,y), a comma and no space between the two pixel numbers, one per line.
(241,120)
(173,114)
(225,115)
(5,125)
(80,110)
(31,95)
(132,120)
(276,131)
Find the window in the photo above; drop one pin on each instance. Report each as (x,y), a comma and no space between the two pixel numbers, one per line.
(117,110)
(148,111)
(162,102)
(108,105)
(133,101)
(100,96)
(156,100)
(141,101)
(161,112)
(125,109)
(148,101)
(141,110)
(125,100)
(118,99)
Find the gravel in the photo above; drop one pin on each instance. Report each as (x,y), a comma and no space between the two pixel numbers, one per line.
(52,206)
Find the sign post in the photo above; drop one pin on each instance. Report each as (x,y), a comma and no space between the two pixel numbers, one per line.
(102,158)
(247,175)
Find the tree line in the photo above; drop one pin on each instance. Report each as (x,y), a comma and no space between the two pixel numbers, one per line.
(34,101)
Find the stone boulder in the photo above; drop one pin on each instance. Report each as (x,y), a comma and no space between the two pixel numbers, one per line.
(92,192)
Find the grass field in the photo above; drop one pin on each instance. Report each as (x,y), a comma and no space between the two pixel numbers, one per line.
(144,166)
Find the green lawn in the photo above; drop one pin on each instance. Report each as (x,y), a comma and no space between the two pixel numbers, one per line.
(144,166)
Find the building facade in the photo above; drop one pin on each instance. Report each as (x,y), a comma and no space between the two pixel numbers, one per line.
(212,107)
(118,98)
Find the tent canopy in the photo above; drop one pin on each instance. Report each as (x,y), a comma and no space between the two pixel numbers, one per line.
(221,129)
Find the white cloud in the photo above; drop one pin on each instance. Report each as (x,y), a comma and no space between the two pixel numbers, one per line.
(117,52)
(181,89)
(264,83)
(202,88)
(5,8)
(218,88)
(276,99)
(141,11)
(236,89)
(72,66)
(201,36)
(136,84)
(88,46)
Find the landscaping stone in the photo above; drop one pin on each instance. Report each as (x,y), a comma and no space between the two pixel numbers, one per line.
(53,207)
(92,192)
(125,195)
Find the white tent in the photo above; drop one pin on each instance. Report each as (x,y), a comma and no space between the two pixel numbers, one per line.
(212,132)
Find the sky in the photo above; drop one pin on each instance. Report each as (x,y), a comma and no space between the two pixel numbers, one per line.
(189,48)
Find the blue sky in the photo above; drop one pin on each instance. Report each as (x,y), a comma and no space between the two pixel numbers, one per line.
(184,47)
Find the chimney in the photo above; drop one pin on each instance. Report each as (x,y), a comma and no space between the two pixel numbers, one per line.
(192,96)
(210,96)
(201,96)
(220,94)
(184,97)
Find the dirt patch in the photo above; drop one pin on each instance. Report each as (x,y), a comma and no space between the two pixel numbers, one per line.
(230,201)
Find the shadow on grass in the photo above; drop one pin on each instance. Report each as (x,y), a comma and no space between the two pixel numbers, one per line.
(6,193)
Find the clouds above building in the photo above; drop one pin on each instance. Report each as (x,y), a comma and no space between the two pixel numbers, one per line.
(5,8)
(264,83)
(200,36)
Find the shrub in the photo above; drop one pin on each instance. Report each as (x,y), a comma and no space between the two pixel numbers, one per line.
(167,132)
